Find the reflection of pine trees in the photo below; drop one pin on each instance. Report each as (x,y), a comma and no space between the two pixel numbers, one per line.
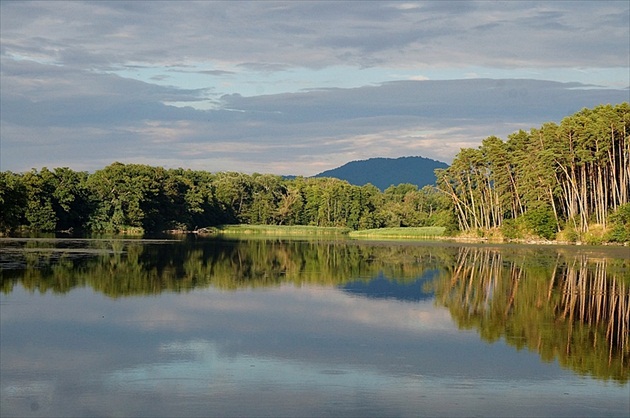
(575,308)
(590,297)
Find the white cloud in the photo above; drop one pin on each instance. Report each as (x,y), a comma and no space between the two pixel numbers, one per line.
(307,81)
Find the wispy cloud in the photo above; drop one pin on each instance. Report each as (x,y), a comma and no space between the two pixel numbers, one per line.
(294,87)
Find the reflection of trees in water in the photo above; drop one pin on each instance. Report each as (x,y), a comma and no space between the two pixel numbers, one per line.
(574,308)
(135,268)
(591,296)
(566,306)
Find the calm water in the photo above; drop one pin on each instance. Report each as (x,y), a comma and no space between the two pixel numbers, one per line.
(311,328)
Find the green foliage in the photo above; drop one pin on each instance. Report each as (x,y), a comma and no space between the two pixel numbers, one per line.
(71,199)
(592,239)
(576,171)
(13,200)
(541,221)
(569,234)
(510,228)
(144,198)
(620,225)
(40,188)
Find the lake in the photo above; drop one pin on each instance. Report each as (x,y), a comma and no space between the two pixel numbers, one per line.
(289,327)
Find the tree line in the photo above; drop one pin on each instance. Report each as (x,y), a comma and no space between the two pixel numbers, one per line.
(571,177)
(123,197)
(569,180)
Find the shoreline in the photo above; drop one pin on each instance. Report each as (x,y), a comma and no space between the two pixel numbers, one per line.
(295,231)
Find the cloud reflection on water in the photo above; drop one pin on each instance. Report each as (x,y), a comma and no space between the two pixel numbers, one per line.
(283,350)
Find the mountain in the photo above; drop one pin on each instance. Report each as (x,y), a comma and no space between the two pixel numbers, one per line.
(384,172)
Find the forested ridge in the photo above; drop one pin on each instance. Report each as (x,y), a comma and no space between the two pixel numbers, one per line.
(385,172)
(569,181)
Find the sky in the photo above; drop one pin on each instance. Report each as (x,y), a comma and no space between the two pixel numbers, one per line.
(294,87)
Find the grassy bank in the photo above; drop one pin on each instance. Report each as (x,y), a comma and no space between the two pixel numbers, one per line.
(281,230)
(400,233)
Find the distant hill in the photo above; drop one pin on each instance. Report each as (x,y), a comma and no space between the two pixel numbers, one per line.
(384,172)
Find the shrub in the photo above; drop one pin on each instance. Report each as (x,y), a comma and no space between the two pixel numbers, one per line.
(619,225)
(569,235)
(510,229)
(541,221)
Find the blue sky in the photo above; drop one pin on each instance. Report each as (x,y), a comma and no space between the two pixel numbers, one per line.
(294,87)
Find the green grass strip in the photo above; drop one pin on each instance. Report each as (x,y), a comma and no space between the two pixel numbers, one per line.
(279,230)
(400,233)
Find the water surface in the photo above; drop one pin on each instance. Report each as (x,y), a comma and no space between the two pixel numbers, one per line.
(311,328)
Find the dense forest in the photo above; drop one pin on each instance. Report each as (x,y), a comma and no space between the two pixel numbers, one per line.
(569,181)
(572,178)
(128,197)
